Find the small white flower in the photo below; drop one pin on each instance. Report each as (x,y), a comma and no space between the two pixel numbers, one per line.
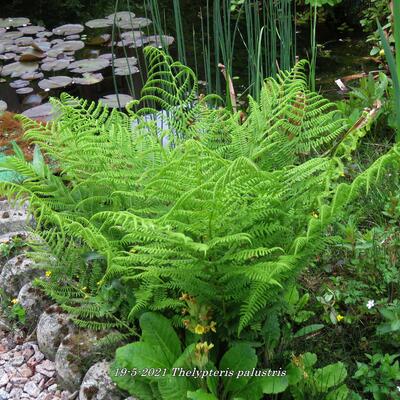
(370,304)
(398,388)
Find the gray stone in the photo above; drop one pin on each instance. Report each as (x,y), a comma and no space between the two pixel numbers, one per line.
(32,389)
(14,220)
(52,327)
(17,272)
(3,378)
(97,384)
(34,301)
(72,357)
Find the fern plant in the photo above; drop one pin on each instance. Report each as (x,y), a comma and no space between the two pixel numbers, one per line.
(227,211)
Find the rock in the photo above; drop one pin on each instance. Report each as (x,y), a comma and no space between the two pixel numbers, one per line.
(3,378)
(18,361)
(33,300)
(14,220)
(3,394)
(46,368)
(17,272)
(72,356)
(32,389)
(97,384)
(52,327)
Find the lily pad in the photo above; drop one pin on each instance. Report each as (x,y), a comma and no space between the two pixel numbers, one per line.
(126,70)
(160,40)
(44,34)
(31,29)
(13,22)
(24,90)
(123,62)
(19,83)
(31,76)
(32,55)
(3,106)
(106,56)
(135,23)
(99,23)
(72,37)
(89,65)
(70,45)
(7,56)
(68,29)
(44,112)
(56,65)
(11,35)
(32,100)
(16,69)
(55,82)
(24,41)
(121,16)
(41,46)
(99,40)
(89,79)
(111,100)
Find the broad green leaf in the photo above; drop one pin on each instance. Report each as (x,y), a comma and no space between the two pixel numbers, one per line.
(341,393)
(141,355)
(393,72)
(252,391)
(201,395)
(309,359)
(329,376)
(133,386)
(174,387)
(308,329)
(241,357)
(157,331)
(274,384)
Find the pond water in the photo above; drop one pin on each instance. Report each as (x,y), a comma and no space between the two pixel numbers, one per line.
(58,50)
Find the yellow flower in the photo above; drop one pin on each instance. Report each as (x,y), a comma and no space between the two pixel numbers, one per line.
(339,317)
(204,346)
(15,301)
(199,329)
(48,273)
(382,52)
(84,289)
(99,282)
(213,325)
(86,296)
(314,214)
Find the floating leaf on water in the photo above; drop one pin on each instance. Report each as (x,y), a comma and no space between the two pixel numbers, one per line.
(11,35)
(135,23)
(7,56)
(99,23)
(32,100)
(43,112)
(55,82)
(89,79)
(30,76)
(16,69)
(24,90)
(68,29)
(41,46)
(99,40)
(32,55)
(19,83)
(106,56)
(32,29)
(55,65)
(3,106)
(121,16)
(13,22)
(72,37)
(121,71)
(54,42)
(24,41)
(70,45)
(89,65)
(160,40)
(44,34)
(123,62)
(112,101)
